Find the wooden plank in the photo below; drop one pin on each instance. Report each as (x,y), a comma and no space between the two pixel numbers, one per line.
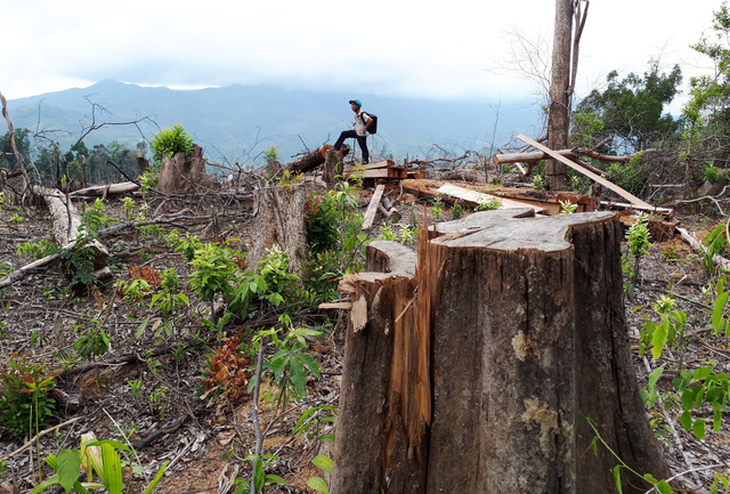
(343,304)
(373,207)
(477,198)
(384,173)
(609,185)
(370,166)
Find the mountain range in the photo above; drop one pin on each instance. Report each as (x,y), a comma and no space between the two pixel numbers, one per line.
(237,123)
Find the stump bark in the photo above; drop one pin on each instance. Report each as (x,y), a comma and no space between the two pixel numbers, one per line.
(279,214)
(333,164)
(182,174)
(479,373)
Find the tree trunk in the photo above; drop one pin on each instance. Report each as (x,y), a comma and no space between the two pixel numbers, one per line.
(560,97)
(480,372)
(279,220)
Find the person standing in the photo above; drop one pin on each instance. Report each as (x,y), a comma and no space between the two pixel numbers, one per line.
(360,132)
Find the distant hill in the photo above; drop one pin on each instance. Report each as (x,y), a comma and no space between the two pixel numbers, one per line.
(237,123)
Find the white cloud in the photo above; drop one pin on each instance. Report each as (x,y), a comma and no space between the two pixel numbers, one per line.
(382,46)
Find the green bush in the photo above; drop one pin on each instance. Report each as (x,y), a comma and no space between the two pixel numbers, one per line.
(24,403)
(171,141)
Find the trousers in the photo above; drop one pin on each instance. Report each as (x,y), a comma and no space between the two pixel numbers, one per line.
(361,140)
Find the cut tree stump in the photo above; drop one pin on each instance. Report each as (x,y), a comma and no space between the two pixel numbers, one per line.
(479,372)
(279,220)
(312,159)
(178,175)
(333,164)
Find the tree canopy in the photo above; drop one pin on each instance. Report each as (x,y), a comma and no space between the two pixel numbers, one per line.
(632,108)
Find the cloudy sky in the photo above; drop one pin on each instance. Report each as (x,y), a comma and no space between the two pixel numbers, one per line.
(461,49)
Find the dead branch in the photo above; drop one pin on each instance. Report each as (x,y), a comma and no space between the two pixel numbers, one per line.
(11,137)
(439,160)
(37,266)
(707,198)
(532,157)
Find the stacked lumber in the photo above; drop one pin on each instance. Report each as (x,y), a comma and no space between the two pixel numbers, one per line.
(379,169)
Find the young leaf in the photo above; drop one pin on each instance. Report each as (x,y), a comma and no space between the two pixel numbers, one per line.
(112,469)
(45,485)
(68,468)
(157,478)
(698,429)
(686,420)
(659,339)
(617,478)
(664,488)
(274,479)
(323,462)
(318,484)
(717,311)
(655,375)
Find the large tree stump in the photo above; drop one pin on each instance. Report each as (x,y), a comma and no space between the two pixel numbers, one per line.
(182,174)
(479,373)
(279,220)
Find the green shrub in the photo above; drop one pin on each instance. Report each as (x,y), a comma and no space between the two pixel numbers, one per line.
(169,142)
(24,403)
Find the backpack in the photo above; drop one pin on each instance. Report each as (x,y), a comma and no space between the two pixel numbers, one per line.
(373,129)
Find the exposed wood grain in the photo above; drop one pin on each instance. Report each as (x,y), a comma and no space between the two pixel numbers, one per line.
(373,207)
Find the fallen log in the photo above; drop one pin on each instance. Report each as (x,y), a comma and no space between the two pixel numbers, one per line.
(67,228)
(481,371)
(697,246)
(312,159)
(25,271)
(107,190)
(387,208)
(6,175)
(475,199)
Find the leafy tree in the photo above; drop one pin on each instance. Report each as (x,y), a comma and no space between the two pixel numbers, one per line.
(22,141)
(631,109)
(708,111)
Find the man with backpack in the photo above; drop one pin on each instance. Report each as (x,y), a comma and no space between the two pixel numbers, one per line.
(364,124)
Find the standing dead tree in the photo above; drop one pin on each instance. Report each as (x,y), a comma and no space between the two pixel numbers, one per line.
(11,137)
(566,42)
(486,367)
